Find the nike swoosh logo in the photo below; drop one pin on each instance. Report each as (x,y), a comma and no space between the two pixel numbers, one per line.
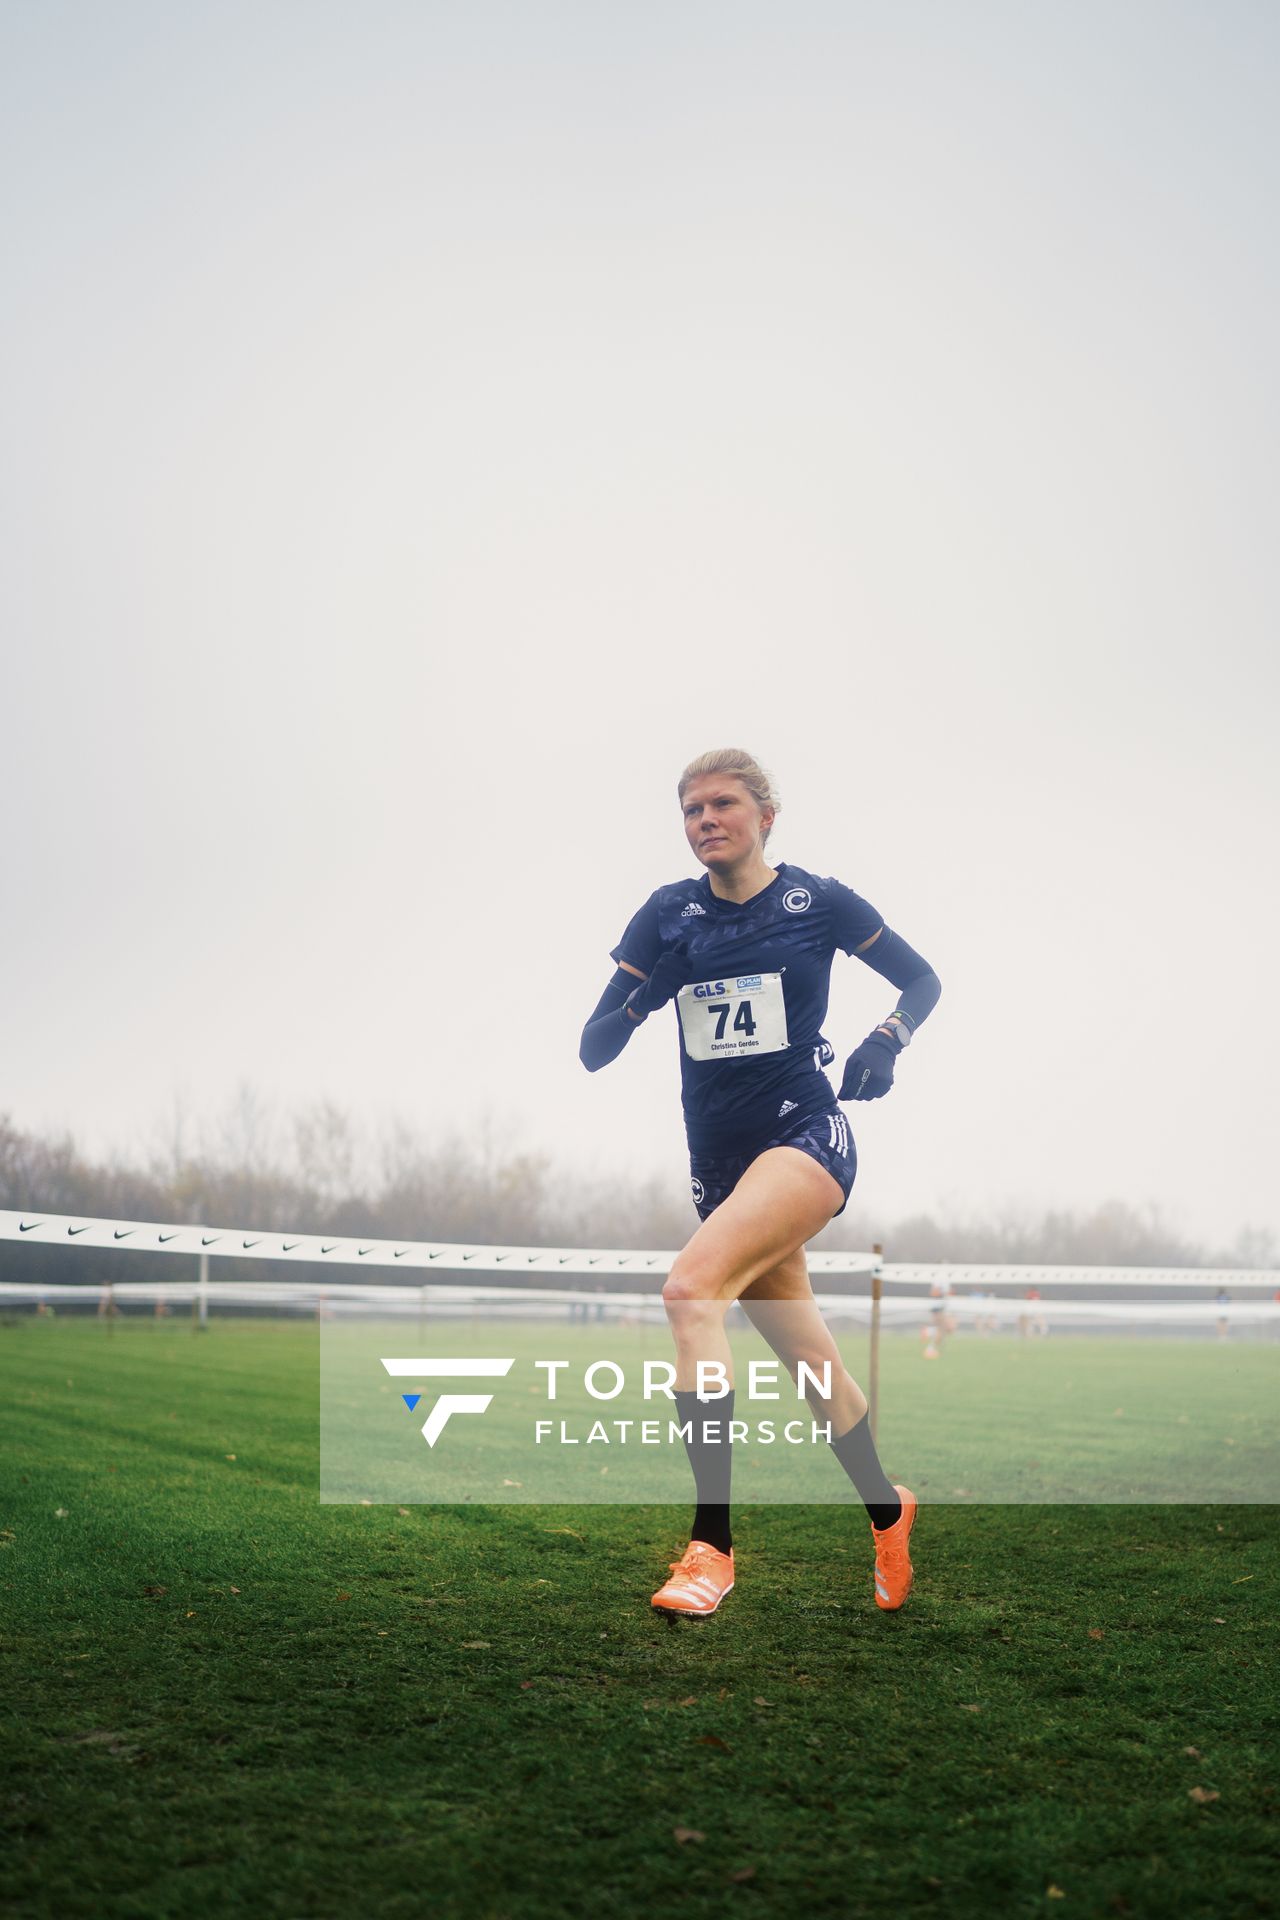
(125,1235)
(73,1231)
(361,1252)
(289,1245)
(31,1228)
(246,1244)
(209,1239)
(403,1251)
(337,1243)
(164,1238)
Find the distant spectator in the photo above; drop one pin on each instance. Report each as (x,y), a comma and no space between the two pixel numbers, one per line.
(1031,1320)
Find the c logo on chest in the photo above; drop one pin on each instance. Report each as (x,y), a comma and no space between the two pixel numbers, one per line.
(798,900)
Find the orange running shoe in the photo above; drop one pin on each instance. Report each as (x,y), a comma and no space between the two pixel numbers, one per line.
(893,1562)
(699,1581)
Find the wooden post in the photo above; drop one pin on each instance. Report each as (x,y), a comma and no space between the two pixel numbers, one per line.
(873,1375)
(200,1299)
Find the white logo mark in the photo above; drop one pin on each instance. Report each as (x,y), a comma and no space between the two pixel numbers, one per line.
(436,1421)
(798,900)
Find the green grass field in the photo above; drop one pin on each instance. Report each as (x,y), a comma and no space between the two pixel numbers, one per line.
(220,1696)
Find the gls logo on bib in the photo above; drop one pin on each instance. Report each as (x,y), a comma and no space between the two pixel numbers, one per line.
(798,900)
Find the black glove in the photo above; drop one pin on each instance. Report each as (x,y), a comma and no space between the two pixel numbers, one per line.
(868,1073)
(670,972)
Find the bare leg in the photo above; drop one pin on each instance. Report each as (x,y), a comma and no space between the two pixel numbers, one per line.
(781,1201)
(781,1306)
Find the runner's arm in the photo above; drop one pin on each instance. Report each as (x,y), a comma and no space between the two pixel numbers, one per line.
(868,1072)
(918,985)
(612,1024)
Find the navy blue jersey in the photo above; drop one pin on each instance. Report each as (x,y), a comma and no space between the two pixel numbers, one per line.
(791,929)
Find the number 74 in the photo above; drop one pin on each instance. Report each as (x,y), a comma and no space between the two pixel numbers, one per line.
(743,1020)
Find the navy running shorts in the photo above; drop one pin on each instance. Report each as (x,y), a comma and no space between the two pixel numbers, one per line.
(825,1137)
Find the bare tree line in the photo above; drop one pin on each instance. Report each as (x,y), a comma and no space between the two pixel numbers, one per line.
(315,1171)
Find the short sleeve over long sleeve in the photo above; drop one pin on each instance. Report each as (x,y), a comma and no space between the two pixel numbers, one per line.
(641,943)
(854,919)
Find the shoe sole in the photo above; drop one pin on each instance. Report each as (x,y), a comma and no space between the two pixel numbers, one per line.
(911,1582)
(693,1613)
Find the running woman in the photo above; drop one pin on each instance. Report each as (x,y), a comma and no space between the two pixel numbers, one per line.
(746,951)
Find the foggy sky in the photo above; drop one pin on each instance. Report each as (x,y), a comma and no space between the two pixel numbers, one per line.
(427,427)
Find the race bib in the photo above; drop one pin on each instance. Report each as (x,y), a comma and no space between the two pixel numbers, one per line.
(731,1018)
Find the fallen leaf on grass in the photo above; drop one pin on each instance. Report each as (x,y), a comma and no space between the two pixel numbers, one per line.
(114,1743)
(525,1685)
(975,1708)
(403,1512)
(191,1615)
(343,1594)
(153,1593)
(685,1834)
(758,1702)
(1203,1795)
(714,1740)
(60,1513)
(1096,1633)
(1055,1893)
(1193,1753)
(476,1646)
(1217,1621)
(235,1589)
(513,1483)
(690,1700)
(229,1456)
(1243,1577)
(742,1875)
